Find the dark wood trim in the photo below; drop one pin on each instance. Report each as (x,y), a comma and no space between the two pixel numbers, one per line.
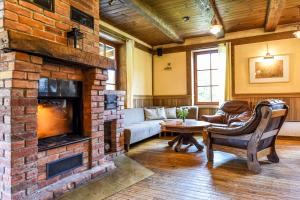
(237,41)
(274,11)
(189,72)
(16,41)
(110,43)
(143,47)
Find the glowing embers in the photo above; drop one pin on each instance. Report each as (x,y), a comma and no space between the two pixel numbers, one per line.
(55,117)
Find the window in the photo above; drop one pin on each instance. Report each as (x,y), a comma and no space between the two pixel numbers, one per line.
(111,81)
(207,76)
(109,51)
(82,18)
(45,4)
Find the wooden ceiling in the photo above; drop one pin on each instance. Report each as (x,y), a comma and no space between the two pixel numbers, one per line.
(159,22)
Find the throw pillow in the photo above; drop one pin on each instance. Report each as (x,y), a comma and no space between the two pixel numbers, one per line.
(155,113)
(171,113)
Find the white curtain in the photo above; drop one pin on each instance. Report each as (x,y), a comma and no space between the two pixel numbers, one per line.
(225,78)
(129,70)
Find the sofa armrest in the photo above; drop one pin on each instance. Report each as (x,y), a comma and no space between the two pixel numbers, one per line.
(218,119)
(127,136)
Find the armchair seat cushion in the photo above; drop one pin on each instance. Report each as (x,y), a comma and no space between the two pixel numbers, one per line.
(231,112)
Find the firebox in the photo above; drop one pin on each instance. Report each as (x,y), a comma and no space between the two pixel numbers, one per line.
(59,117)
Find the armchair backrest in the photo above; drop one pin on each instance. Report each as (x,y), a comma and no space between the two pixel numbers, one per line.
(279,112)
(234,109)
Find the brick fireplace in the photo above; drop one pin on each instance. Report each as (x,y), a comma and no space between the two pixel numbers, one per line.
(52,102)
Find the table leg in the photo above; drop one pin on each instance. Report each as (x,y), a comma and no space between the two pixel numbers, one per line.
(205,136)
(196,143)
(172,142)
(178,145)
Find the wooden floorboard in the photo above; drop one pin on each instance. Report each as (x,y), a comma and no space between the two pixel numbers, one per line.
(187,175)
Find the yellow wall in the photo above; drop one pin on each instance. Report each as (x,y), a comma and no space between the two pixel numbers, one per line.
(170,82)
(142,73)
(279,47)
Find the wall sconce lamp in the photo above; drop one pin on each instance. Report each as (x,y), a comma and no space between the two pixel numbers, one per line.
(268,56)
(168,67)
(75,38)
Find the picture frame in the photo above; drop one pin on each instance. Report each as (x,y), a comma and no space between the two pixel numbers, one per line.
(269,70)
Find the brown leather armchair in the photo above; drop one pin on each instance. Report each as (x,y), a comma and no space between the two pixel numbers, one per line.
(231,113)
(255,137)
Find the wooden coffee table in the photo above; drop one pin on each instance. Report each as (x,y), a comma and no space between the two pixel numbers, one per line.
(186,132)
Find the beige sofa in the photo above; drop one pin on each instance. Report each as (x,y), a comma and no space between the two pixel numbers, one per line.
(137,128)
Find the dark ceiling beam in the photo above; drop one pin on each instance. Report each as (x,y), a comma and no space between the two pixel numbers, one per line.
(149,13)
(274,10)
(218,17)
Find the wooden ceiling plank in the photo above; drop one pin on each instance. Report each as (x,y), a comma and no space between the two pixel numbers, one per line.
(213,5)
(275,8)
(146,11)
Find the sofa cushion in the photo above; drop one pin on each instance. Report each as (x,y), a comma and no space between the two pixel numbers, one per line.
(171,113)
(133,115)
(143,130)
(155,113)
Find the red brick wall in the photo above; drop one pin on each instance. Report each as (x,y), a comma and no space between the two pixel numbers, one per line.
(5,125)
(18,93)
(25,17)
(94,84)
(58,71)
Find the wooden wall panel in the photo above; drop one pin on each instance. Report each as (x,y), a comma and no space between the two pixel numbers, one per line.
(141,101)
(292,100)
(172,100)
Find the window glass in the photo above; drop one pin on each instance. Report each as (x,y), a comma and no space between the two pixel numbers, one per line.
(204,94)
(203,78)
(102,49)
(111,81)
(215,61)
(110,52)
(203,61)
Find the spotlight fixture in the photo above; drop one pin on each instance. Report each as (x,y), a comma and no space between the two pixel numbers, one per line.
(186,18)
(215,27)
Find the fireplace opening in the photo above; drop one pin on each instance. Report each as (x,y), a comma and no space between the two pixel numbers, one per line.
(108,136)
(59,116)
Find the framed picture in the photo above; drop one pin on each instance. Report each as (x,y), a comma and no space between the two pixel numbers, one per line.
(269,70)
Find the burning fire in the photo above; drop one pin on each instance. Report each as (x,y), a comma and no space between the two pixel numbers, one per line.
(53,120)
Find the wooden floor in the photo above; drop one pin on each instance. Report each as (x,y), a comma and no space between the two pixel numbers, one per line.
(187,175)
